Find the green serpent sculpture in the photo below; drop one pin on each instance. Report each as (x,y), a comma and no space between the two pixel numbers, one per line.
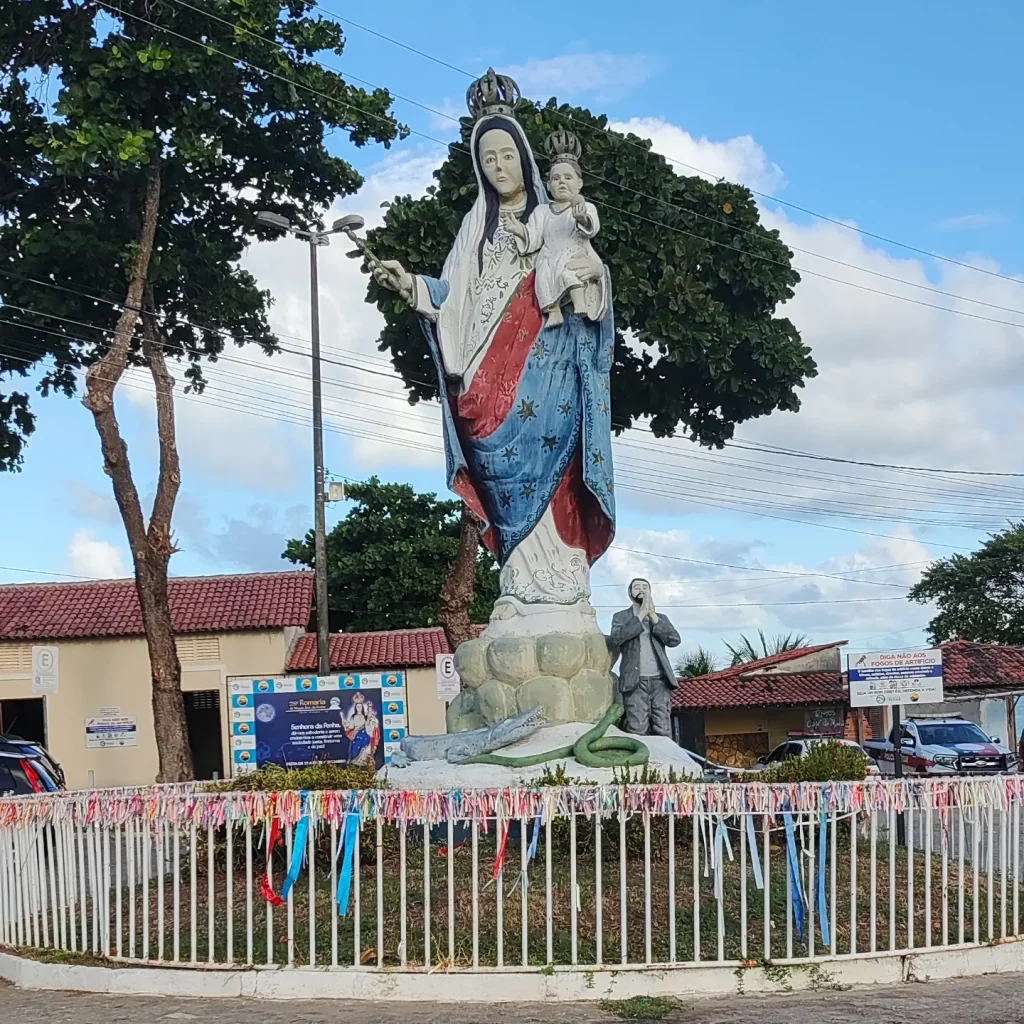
(593,749)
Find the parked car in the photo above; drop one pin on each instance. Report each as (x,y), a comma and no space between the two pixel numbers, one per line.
(801,746)
(944,745)
(27,768)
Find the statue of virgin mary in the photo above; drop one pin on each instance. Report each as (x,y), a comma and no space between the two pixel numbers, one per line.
(526,408)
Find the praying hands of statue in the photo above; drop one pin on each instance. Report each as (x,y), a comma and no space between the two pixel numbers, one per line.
(391,274)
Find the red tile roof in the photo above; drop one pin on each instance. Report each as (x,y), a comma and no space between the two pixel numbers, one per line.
(760,690)
(390,648)
(743,686)
(199,604)
(966,664)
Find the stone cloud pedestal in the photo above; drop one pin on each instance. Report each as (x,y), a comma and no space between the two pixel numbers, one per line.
(567,675)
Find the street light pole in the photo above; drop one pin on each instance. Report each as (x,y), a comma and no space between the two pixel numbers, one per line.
(323,654)
(348,225)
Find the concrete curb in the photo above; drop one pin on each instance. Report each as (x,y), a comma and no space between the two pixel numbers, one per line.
(514,985)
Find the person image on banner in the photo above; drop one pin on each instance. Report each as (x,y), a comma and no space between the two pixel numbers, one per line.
(362,729)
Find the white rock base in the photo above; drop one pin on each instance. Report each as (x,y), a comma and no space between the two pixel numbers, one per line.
(666,757)
(567,675)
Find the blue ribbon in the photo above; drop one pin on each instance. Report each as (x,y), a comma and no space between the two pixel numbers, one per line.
(348,840)
(533,842)
(797,894)
(822,855)
(298,852)
(755,858)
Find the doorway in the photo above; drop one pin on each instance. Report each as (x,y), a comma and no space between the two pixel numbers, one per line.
(25,718)
(202,715)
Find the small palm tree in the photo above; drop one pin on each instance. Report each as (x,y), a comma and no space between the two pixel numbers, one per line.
(696,663)
(745,650)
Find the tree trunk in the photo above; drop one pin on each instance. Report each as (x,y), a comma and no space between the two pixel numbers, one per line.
(459,589)
(151,547)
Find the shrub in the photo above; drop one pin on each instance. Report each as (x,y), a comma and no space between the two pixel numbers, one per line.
(274,779)
(825,762)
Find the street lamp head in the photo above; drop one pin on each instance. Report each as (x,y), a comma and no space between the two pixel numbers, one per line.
(350,222)
(273,220)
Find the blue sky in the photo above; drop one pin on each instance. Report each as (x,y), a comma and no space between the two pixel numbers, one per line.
(875,115)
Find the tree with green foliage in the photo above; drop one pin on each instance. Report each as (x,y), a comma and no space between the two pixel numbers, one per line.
(139,141)
(745,649)
(388,559)
(696,281)
(979,596)
(699,662)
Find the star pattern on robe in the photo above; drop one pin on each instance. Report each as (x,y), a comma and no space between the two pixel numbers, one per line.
(528,490)
(540,350)
(510,453)
(506,499)
(565,408)
(548,443)
(603,407)
(525,411)
(598,457)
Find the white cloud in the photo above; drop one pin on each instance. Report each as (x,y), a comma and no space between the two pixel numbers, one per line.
(87,503)
(721,602)
(87,556)
(739,159)
(972,221)
(575,75)
(251,428)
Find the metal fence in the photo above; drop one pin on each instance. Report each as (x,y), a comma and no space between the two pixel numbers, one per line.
(591,877)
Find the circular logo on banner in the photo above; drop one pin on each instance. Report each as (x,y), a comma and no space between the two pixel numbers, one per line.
(244,756)
(393,708)
(392,680)
(306,684)
(243,701)
(394,734)
(350,681)
(266,713)
(914,697)
(262,685)
(243,728)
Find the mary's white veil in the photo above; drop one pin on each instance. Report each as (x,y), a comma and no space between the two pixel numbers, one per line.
(461,267)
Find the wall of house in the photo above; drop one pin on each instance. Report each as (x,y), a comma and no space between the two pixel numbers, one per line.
(114,673)
(740,735)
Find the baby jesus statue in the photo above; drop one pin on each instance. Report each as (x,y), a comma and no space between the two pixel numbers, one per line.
(559,233)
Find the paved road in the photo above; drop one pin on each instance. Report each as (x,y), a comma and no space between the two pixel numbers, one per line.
(991,1000)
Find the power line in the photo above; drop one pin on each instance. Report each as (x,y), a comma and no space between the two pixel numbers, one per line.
(795,454)
(627,213)
(682,163)
(39,572)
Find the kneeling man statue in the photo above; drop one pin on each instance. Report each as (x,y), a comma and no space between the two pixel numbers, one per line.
(646,678)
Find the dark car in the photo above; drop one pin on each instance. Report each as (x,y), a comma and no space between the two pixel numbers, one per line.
(27,768)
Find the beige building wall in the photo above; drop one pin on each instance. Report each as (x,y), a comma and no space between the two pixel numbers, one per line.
(108,673)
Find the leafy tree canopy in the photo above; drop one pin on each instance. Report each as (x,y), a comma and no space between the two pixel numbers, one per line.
(226,95)
(387,559)
(696,281)
(745,649)
(980,596)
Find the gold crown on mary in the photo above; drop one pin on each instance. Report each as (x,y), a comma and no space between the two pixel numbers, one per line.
(563,147)
(492,94)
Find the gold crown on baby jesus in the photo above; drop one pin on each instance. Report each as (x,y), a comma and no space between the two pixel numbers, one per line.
(563,147)
(492,94)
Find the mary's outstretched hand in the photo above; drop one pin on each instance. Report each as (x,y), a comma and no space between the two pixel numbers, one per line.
(391,274)
(586,269)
